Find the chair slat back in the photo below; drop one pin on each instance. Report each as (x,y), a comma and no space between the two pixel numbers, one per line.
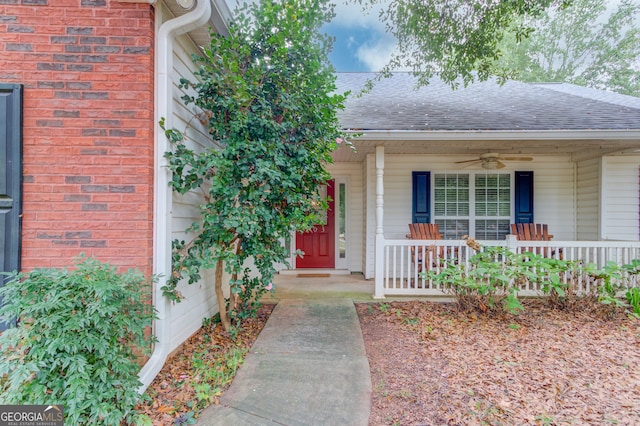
(425,231)
(531,231)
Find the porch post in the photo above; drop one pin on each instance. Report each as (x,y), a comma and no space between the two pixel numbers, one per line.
(512,242)
(379,254)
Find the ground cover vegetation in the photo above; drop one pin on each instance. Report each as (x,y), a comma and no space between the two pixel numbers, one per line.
(80,338)
(266,94)
(200,371)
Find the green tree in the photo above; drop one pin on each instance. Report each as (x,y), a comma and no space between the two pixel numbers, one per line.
(580,44)
(266,93)
(454,39)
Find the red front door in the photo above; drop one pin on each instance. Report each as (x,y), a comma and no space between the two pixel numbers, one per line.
(318,244)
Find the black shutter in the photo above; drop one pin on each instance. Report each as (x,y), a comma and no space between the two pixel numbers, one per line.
(421,212)
(10,178)
(523,205)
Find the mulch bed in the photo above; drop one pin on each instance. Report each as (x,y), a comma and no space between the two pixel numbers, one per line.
(432,365)
(173,396)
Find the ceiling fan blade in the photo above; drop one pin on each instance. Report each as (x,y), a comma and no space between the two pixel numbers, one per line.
(467,161)
(500,165)
(516,158)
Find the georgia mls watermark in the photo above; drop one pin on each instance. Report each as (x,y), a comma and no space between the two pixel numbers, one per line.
(31,415)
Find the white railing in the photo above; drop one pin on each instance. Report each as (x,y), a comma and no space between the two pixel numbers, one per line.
(402,260)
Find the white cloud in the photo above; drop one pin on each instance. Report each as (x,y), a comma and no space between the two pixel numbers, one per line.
(376,54)
(352,15)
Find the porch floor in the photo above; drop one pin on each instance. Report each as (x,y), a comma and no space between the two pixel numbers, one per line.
(350,286)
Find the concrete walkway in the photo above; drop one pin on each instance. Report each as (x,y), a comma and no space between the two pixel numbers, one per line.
(307,367)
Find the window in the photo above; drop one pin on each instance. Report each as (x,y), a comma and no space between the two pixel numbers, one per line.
(492,205)
(472,204)
(451,205)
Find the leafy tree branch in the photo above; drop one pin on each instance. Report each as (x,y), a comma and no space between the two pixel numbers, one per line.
(266,93)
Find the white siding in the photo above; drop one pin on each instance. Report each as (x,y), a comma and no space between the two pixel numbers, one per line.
(369,176)
(355,210)
(554,199)
(199,298)
(620,193)
(588,199)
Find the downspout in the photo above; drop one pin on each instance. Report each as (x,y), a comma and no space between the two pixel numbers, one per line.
(162,193)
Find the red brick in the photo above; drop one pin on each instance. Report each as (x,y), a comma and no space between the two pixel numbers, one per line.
(53,153)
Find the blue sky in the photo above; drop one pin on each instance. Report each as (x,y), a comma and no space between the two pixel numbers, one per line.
(361,41)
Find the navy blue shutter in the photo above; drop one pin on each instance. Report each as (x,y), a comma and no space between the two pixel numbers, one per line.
(10,178)
(421,212)
(523,206)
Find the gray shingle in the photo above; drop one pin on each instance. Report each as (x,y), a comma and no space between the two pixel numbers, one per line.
(395,104)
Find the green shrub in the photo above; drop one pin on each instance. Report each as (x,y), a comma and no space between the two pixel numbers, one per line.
(486,285)
(494,275)
(76,340)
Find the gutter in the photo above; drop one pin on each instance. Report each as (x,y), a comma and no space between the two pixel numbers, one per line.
(196,18)
(470,135)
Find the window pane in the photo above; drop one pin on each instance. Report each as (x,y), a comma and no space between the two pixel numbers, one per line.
(453,229)
(463,209)
(493,195)
(492,229)
(505,209)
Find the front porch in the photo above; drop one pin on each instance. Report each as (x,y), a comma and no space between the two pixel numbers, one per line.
(398,273)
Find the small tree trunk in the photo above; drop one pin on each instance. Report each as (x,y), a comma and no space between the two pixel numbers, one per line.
(222,307)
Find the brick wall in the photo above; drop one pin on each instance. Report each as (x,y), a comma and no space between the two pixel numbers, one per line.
(87,69)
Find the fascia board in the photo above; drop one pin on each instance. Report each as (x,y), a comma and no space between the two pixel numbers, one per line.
(408,135)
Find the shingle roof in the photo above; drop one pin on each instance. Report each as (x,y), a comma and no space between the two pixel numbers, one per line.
(395,104)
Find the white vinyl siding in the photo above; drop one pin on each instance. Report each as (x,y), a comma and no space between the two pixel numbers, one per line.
(588,199)
(369,240)
(620,193)
(199,298)
(554,193)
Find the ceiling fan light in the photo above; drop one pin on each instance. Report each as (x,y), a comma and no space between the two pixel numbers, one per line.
(490,164)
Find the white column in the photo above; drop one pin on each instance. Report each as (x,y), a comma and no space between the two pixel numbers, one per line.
(512,242)
(379,254)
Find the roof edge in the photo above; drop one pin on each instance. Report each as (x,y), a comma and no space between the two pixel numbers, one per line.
(494,134)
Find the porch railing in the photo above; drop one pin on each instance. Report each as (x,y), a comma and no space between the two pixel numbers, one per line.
(400,272)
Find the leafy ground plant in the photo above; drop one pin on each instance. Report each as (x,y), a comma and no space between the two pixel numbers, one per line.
(77,341)
(200,371)
(493,277)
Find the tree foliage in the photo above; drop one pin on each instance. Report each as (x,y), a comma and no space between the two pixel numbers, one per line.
(579,44)
(458,40)
(266,96)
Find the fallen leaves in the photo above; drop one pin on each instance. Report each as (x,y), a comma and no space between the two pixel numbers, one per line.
(543,367)
(199,371)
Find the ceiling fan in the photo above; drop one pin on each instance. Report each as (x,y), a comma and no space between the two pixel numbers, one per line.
(493,160)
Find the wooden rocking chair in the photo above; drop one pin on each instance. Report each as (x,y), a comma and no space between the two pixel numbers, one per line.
(425,231)
(534,232)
